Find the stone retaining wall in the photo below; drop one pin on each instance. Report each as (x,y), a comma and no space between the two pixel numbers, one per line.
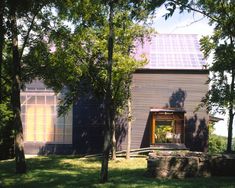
(191,164)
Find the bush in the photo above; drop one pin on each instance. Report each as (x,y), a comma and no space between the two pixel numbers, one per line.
(6,133)
(217,144)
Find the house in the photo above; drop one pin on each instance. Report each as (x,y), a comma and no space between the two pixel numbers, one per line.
(164,96)
(167,91)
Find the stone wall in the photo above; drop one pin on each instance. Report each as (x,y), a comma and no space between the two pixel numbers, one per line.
(190,164)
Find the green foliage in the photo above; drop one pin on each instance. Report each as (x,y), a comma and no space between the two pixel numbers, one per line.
(5,114)
(79,59)
(5,117)
(220,45)
(217,144)
(161,132)
(6,132)
(33,18)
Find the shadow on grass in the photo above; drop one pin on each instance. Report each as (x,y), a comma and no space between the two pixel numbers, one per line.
(57,171)
(50,171)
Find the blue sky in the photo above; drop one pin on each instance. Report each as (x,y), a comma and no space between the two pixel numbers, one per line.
(188,23)
(184,23)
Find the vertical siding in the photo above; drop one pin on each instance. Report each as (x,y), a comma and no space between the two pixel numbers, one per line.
(166,90)
(157,89)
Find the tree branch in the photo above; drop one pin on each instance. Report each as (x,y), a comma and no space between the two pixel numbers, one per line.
(195,10)
(28,32)
(187,25)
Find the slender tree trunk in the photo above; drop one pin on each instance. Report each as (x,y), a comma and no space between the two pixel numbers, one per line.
(231,115)
(108,102)
(15,97)
(128,149)
(2,31)
(105,159)
(114,143)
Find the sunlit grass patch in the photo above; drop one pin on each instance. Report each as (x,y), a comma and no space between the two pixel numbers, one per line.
(72,171)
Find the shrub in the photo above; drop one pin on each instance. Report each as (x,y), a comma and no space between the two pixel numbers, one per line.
(217,144)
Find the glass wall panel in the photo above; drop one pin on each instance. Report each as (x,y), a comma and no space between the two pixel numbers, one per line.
(39,116)
(50,100)
(40,121)
(30,113)
(49,124)
(40,100)
(30,100)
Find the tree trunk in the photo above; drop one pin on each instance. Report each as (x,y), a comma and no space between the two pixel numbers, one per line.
(105,159)
(108,102)
(2,31)
(231,115)
(15,97)
(128,149)
(114,143)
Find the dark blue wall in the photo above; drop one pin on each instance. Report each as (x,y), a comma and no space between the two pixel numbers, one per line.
(88,121)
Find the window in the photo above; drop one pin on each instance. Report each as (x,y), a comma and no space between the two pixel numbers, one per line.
(164,131)
(40,121)
(167,126)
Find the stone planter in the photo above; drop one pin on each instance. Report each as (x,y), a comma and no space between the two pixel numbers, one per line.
(189,165)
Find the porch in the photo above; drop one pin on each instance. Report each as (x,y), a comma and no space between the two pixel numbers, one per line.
(167,128)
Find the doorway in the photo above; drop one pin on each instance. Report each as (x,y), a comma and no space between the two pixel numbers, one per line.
(167,126)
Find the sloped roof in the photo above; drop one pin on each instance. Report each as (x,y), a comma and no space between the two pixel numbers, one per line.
(171,51)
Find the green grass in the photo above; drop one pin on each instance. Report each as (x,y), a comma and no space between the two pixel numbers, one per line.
(58,171)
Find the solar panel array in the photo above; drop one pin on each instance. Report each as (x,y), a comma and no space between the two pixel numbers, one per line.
(173,51)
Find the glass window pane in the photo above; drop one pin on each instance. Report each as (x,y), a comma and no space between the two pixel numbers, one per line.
(50,99)
(29,123)
(22,99)
(59,138)
(39,123)
(23,108)
(31,100)
(164,131)
(68,139)
(40,100)
(49,124)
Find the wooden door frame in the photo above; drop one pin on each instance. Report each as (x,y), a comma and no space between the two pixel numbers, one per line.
(153,125)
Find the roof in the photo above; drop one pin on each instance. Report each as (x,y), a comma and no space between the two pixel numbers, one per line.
(36,86)
(215,119)
(171,51)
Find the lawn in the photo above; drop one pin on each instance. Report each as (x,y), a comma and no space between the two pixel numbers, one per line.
(61,171)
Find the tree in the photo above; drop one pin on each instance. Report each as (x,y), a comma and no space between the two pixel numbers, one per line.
(109,116)
(128,150)
(2,33)
(102,60)
(29,21)
(15,97)
(5,112)
(221,14)
(112,104)
(84,70)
